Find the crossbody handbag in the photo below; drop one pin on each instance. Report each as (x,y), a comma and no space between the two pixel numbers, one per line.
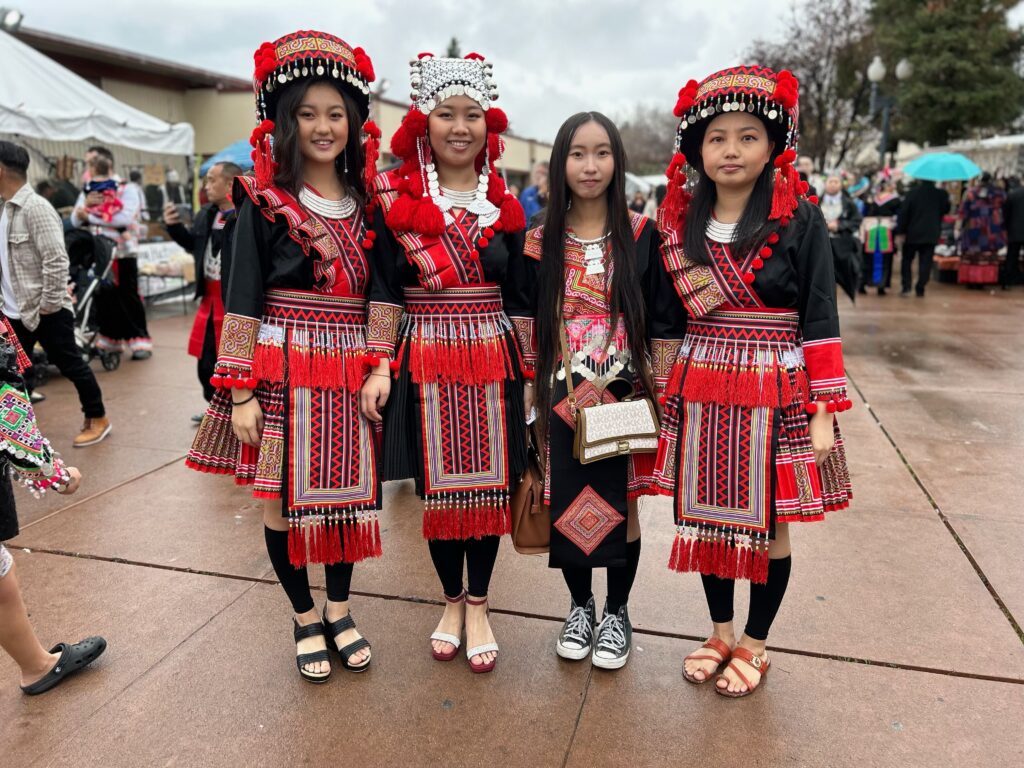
(604,430)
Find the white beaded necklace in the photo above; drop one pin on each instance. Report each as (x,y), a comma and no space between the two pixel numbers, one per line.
(329,209)
(719,232)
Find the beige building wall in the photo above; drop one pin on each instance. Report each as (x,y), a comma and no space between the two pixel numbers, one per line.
(160,102)
(219,117)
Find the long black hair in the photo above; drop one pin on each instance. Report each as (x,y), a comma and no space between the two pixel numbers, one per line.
(288,154)
(626,296)
(753,227)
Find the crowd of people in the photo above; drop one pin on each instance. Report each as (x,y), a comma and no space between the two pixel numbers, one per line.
(981,223)
(427,322)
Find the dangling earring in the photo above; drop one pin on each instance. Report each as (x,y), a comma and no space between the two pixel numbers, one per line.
(344,157)
(569,206)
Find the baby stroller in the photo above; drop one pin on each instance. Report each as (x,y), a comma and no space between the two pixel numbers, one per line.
(91,258)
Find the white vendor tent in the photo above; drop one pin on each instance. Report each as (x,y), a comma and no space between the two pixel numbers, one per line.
(40,99)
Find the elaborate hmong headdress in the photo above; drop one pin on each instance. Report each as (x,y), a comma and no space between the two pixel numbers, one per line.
(420,207)
(309,55)
(773,97)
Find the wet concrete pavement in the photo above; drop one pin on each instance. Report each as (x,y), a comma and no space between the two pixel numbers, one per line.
(899,642)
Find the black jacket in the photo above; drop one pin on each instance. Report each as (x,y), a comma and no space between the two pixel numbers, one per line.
(1013,216)
(195,243)
(920,215)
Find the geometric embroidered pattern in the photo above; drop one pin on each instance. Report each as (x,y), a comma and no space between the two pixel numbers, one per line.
(588,520)
(382,321)
(238,341)
(331,451)
(586,395)
(464,437)
(726,465)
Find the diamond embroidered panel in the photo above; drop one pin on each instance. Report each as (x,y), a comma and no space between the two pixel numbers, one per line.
(588,520)
(586,395)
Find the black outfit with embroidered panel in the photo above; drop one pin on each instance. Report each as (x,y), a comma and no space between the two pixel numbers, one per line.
(294,327)
(588,502)
(454,420)
(761,351)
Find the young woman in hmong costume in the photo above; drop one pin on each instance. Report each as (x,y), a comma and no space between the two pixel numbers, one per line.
(601,284)
(293,355)
(749,440)
(450,236)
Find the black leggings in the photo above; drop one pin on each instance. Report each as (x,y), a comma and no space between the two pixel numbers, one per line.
(296,580)
(620,580)
(765,599)
(479,556)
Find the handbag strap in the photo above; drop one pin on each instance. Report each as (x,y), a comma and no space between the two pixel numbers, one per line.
(564,341)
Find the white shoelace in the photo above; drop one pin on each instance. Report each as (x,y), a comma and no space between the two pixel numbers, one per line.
(576,625)
(611,633)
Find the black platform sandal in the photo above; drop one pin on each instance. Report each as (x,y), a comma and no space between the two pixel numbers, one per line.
(335,628)
(301,659)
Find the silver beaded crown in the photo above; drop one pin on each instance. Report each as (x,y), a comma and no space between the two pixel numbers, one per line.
(435,79)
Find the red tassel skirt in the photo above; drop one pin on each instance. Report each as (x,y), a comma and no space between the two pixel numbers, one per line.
(735,450)
(455,421)
(317,452)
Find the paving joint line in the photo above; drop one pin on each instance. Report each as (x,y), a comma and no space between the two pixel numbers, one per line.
(579,716)
(529,615)
(942,516)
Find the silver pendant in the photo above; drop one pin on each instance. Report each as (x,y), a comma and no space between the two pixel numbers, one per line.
(593,258)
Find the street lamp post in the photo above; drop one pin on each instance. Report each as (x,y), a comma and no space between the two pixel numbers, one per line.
(883,103)
(10,19)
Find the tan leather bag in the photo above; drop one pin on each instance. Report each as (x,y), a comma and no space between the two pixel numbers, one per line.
(531,519)
(610,429)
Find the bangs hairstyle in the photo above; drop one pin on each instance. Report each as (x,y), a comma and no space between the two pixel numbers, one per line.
(288,155)
(753,227)
(626,297)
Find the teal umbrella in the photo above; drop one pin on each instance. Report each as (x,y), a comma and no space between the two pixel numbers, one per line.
(942,166)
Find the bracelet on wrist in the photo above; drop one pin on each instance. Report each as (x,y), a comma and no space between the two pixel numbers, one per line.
(381,374)
(243,402)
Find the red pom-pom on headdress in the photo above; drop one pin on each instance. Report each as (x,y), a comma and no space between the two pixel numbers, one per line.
(786,89)
(677,199)
(363,64)
(497,120)
(474,56)
(371,151)
(687,97)
(403,141)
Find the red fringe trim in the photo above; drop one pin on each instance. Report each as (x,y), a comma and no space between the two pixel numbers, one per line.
(268,362)
(319,541)
(462,519)
(711,554)
(320,367)
(476,361)
(751,386)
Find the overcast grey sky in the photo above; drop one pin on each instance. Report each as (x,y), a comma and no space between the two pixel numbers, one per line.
(551,59)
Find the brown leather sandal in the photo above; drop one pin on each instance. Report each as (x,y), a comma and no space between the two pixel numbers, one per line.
(712,644)
(743,654)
